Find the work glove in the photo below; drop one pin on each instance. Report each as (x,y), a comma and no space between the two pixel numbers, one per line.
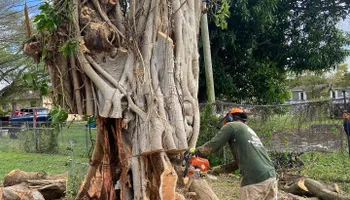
(189,151)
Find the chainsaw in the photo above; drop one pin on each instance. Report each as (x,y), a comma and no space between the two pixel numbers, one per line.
(195,167)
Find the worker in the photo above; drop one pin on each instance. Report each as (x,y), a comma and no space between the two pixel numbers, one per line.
(250,157)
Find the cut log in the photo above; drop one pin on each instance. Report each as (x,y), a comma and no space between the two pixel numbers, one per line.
(17,176)
(202,190)
(19,192)
(298,188)
(321,191)
(307,187)
(22,183)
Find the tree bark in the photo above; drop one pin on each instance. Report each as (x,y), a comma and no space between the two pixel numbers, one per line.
(141,65)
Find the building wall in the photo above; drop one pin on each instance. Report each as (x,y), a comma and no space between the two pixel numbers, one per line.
(296,96)
(47,102)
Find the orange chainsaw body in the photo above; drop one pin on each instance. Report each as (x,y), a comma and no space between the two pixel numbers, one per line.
(199,163)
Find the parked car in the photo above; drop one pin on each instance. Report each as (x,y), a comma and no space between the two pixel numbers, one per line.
(26,118)
(27,114)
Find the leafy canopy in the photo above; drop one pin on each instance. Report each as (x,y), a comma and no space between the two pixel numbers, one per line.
(266,39)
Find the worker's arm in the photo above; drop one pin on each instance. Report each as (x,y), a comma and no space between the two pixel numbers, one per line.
(219,141)
(231,167)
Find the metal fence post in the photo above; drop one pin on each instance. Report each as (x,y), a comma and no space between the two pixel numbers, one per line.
(86,141)
(34,130)
(61,132)
(71,171)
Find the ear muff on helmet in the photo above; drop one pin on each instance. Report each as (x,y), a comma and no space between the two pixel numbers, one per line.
(235,116)
(229,118)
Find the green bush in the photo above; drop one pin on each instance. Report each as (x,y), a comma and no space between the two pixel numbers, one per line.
(46,141)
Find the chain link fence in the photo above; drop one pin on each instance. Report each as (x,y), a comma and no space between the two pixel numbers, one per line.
(76,137)
(294,128)
(73,141)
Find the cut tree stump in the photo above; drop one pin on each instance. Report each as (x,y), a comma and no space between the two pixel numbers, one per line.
(33,185)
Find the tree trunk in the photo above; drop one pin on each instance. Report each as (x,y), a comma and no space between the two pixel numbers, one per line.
(141,63)
(207,58)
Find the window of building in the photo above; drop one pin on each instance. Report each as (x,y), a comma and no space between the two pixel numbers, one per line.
(302,96)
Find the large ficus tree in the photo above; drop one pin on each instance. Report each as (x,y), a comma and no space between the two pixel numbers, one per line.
(135,64)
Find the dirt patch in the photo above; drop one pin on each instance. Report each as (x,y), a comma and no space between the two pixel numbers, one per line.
(325,137)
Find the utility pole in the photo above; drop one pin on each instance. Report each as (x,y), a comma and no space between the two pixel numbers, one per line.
(207,57)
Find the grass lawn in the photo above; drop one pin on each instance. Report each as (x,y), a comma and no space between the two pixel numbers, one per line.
(75,133)
(328,167)
(51,164)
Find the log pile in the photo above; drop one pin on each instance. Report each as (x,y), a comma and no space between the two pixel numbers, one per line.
(295,187)
(32,186)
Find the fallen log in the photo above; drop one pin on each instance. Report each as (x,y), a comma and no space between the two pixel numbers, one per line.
(321,191)
(308,187)
(19,192)
(298,188)
(32,184)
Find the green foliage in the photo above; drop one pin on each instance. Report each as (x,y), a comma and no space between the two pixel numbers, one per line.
(48,19)
(266,39)
(208,126)
(4,112)
(328,167)
(70,47)
(46,141)
(221,13)
(36,80)
(58,115)
(340,77)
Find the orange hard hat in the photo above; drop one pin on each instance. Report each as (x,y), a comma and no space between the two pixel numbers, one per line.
(236,110)
(229,116)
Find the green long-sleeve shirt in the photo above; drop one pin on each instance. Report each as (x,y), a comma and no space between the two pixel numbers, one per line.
(247,149)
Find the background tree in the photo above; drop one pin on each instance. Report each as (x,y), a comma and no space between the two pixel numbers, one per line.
(264,40)
(135,64)
(17,72)
(315,84)
(340,77)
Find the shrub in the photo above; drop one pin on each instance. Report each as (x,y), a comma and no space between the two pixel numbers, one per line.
(46,141)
